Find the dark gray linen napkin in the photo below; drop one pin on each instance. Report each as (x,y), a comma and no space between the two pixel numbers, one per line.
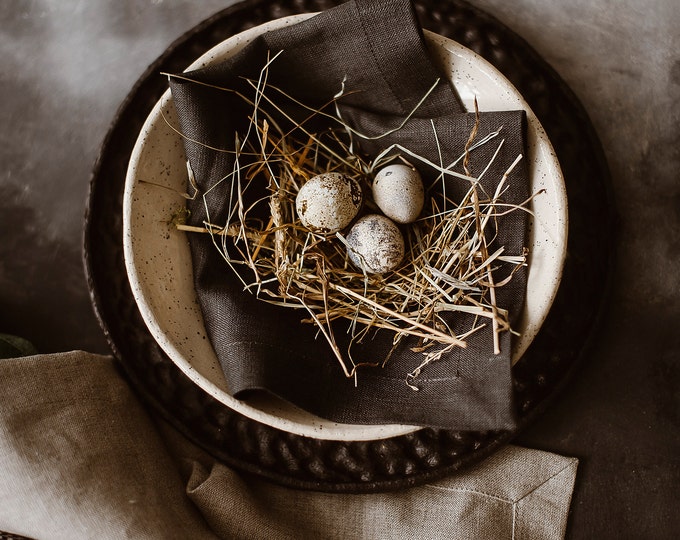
(377,48)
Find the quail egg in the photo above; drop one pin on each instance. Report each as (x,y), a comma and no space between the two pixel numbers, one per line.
(398,192)
(375,244)
(328,202)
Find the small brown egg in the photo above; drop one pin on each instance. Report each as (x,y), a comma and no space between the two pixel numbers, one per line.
(398,191)
(375,244)
(328,202)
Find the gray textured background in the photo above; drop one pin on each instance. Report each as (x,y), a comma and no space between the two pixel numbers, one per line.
(66,65)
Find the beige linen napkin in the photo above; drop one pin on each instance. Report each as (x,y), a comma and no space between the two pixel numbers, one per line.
(81,458)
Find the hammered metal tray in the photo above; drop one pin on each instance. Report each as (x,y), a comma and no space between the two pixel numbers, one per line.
(360,466)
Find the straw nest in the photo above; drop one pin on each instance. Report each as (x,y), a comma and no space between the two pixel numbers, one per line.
(447,265)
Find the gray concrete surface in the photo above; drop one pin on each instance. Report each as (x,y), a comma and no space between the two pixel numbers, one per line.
(65,66)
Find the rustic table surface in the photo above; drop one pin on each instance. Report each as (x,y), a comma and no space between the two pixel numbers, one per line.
(67,66)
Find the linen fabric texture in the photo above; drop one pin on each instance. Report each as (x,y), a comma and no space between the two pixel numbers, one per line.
(81,458)
(377,48)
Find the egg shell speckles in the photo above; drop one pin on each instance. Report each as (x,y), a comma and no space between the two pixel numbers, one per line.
(398,191)
(375,244)
(328,202)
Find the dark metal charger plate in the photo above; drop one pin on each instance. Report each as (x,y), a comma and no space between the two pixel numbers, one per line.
(360,466)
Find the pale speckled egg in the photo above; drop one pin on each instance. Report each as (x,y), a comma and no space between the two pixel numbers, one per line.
(328,202)
(375,244)
(398,191)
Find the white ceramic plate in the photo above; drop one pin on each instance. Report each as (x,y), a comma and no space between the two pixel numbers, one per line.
(158,260)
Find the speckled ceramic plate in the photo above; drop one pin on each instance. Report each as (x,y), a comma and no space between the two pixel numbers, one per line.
(158,260)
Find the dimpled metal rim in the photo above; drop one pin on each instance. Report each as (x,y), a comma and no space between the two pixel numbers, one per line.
(386,464)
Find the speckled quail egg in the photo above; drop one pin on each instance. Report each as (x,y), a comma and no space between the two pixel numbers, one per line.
(375,244)
(328,202)
(398,192)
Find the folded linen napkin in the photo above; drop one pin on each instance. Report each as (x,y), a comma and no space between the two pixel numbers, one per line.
(375,47)
(81,458)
